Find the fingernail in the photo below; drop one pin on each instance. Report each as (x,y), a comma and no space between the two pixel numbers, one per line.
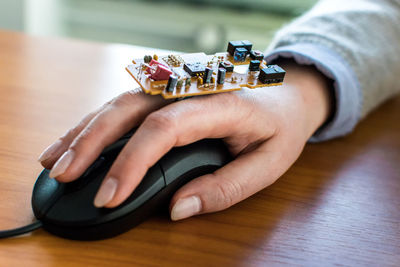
(106,192)
(50,151)
(186,207)
(62,164)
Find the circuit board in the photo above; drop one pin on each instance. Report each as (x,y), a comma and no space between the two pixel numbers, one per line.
(184,75)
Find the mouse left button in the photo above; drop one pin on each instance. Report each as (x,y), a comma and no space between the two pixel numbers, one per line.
(45,193)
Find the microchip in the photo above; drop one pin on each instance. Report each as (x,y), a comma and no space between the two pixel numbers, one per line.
(194,69)
(254,65)
(233,45)
(256,55)
(272,74)
(247,44)
(227,66)
(240,54)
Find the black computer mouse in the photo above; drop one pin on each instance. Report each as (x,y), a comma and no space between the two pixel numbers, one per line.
(67,210)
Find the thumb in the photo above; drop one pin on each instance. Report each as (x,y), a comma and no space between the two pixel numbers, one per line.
(241,178)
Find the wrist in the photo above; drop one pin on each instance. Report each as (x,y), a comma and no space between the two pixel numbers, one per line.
(315,90)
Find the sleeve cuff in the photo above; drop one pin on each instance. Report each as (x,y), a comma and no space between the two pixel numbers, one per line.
(346,87)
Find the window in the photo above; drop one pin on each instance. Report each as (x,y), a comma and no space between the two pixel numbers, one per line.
(181,25)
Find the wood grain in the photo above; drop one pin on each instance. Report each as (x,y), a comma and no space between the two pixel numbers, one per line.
(338,205)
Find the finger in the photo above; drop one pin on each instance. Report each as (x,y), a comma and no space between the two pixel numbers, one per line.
(117,118)
(234,182)
(175,125)
(53,152)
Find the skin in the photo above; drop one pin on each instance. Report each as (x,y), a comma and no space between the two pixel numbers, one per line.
(265,129)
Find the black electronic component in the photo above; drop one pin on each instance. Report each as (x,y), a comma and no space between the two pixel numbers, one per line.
(254,65)
(188,82)
(227,66)
(194,69)
(207,75)
(172,82)
(272,74)
(248,45)
(233,45)
(240,54)
(147,59)
(221,76)
(256,55)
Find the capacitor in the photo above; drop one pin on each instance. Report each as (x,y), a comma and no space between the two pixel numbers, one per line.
(221,76)
(179,84)
(172,82)
(207,75)
(188,82)
(147,59)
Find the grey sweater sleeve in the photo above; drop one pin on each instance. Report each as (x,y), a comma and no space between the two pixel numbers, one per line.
(365,34)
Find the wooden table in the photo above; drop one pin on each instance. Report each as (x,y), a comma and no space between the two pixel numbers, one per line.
(338,205)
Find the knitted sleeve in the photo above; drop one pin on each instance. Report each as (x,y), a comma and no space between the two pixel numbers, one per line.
(357,44)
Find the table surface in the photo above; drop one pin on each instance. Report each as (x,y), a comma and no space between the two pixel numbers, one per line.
(338,205)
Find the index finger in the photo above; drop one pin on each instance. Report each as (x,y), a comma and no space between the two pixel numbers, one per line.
(175,125)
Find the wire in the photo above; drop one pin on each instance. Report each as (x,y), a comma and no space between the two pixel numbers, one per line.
(22,230)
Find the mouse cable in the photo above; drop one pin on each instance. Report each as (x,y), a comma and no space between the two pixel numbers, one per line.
(21,230)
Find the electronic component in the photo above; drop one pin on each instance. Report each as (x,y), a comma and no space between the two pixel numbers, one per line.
(158,71)
(240,54)
(256,55)
(185,75)
(188,82)
(272,74)
(254,65)
(194,69)
(147,59)
(179,84)
(227,66)
(221,76)
(233,45)
(172,82)
(208,75)
(248,45)
(173,60)
(200,81)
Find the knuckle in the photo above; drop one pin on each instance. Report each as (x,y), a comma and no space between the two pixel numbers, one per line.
(76,130)
(70,134)
(229,192)
(127,98)
(86,136)
(164,121)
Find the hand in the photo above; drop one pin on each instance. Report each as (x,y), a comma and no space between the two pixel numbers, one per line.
(265,129)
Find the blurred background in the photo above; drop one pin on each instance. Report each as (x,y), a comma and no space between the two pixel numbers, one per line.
(181,25)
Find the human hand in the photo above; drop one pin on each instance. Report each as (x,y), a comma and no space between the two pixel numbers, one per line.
(265,129)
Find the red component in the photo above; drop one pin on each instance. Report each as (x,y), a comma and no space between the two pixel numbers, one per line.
(153,63)
(159,71)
